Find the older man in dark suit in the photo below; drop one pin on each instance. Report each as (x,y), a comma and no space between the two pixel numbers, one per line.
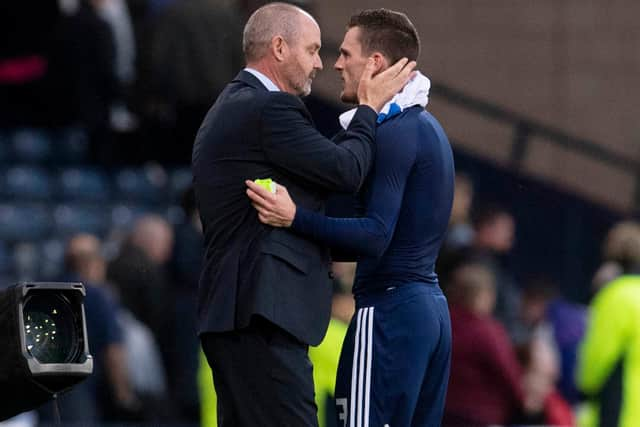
(265,293)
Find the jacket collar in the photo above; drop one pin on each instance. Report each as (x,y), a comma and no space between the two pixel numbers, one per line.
(249,79)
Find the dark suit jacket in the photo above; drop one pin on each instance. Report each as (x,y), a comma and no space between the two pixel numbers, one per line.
(250,268)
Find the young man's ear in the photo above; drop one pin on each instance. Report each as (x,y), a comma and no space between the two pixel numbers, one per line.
(380,62)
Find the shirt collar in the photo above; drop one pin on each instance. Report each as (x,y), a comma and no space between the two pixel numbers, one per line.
(266,81)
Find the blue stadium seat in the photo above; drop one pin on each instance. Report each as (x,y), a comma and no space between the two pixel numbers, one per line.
(71,146)
(73,218)
(31,145)
(27,183)
(124,214)
(142,185)
(26,261)
(51,259)
(24,222)
(84,185)
(6,264)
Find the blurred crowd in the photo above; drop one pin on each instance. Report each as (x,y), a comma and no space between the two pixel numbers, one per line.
(140,322)
(135,76)
(522,353)
(133,80)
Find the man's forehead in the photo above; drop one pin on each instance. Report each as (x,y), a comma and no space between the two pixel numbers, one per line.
(308,31)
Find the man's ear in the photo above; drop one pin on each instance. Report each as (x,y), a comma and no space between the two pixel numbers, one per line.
(279,48)
(380,61)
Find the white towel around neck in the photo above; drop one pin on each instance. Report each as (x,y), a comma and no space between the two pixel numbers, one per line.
(416,92)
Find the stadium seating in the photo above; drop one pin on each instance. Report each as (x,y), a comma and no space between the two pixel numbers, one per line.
(31,145)
(72,218)
(142,185)
(24,222)
(84,185)
(26,183)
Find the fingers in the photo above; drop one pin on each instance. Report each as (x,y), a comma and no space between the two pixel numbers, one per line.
(399,65)
(264,208)
(263,214)
(407,72)
(396,68)
(256,198)
(259,191)
(369,69)
(272,210)
(265,217)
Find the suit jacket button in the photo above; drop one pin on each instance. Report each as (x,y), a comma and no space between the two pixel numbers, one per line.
(331,275)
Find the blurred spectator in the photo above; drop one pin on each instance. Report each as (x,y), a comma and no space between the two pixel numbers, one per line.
(195,50)
(494,237)
(343,304)
(139,275)
(91,401)
(186,265)
(83,79)
(607,272)
(116,14)
(543,405)
(146,373)
(485,384)
(460,232)
(609,362)
(564,322)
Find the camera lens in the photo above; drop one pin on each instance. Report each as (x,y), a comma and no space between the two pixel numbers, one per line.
(51,329)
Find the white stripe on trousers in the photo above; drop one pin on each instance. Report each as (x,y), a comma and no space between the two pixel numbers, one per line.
(361,369)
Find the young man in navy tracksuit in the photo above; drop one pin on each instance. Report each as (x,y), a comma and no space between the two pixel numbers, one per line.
(395,360)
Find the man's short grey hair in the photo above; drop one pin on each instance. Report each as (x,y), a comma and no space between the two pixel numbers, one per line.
(273,19)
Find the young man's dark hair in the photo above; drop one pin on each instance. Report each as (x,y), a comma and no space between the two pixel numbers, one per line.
(388,32)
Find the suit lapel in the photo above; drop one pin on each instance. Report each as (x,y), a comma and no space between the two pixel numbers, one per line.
(249,79)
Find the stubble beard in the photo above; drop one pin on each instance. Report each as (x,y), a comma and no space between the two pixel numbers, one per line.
(306,88)
(303,88)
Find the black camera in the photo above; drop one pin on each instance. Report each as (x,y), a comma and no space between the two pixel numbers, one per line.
(43,339)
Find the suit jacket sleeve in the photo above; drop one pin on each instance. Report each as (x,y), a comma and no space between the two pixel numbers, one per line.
(291,142)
